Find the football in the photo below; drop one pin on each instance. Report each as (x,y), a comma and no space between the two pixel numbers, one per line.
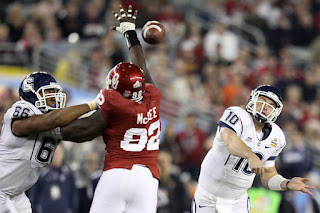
(153,32)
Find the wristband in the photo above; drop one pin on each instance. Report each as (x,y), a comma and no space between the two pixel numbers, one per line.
(131,38)
(288,184)
(275,182)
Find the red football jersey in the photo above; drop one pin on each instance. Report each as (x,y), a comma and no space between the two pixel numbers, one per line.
(133,130)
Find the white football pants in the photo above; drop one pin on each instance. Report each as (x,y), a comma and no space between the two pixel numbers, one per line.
(123,190)
(17,204)
(205,202)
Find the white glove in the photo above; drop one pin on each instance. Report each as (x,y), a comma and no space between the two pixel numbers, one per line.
(125,26)
(127,21)
(93,105)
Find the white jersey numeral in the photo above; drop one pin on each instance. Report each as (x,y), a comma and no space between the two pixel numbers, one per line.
(244,167)
(132,144)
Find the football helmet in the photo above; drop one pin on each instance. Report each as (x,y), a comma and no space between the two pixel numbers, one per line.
(128,79)
(32,89)
(271,93)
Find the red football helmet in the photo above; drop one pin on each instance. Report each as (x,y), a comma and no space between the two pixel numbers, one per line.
(128,79)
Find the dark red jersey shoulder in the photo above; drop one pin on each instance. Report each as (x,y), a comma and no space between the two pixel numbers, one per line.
(113,99)
(151,90)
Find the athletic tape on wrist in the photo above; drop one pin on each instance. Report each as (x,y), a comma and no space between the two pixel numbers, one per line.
(131,38)
(274,183)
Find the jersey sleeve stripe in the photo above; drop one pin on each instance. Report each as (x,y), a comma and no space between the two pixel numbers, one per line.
(272,158)
(223,124)
(34,145)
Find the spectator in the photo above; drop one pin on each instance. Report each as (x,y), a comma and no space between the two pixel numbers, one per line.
(295,159)
(92,170)
(70,20)
(172,194)
(191,142)
(4,33)
(16,20)
(220,44)
(92,26)
(55,190)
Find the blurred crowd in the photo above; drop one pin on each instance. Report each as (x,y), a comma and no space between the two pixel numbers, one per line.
(209,60)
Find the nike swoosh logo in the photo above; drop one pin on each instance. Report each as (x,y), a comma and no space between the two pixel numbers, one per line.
(202,206)
(267,147)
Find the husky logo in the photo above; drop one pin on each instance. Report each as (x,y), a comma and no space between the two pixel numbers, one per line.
(137,84)
(27,84)
(115,81)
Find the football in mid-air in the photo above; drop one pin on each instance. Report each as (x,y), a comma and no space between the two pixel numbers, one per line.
(153,32)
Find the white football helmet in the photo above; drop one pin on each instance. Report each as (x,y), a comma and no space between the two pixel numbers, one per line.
(271,93)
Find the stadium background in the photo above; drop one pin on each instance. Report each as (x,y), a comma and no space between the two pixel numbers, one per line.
(214,53)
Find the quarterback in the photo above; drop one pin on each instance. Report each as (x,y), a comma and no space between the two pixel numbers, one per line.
(129,122)
(246,144)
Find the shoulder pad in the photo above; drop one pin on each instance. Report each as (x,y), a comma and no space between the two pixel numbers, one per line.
(22,109)
(114,98)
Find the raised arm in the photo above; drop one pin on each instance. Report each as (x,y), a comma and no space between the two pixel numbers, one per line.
(137,57)
(127,28)
(51,120)
(84,129)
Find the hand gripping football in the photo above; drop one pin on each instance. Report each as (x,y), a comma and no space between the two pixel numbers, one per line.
(153,32)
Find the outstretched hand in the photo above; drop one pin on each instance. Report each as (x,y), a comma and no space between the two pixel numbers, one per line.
(256,165)
(94,104)
(299,184)
(127,21)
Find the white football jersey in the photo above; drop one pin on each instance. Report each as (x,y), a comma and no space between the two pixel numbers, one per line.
(228,176)
(21,158)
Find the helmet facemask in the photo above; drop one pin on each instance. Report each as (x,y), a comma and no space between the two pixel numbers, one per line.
(259,115)
(59,97)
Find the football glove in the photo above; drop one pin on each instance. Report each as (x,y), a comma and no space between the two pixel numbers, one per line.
(93,105)
(127,21)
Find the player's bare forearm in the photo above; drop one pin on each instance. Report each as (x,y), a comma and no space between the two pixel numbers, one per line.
(235,145)
(269,173)
(84,129)
(137,58)
(79,131)
(51,120)
(66,115)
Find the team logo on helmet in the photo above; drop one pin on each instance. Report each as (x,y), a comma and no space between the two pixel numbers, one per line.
(137,84)
(27,84)
(34,89)
(115,81)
